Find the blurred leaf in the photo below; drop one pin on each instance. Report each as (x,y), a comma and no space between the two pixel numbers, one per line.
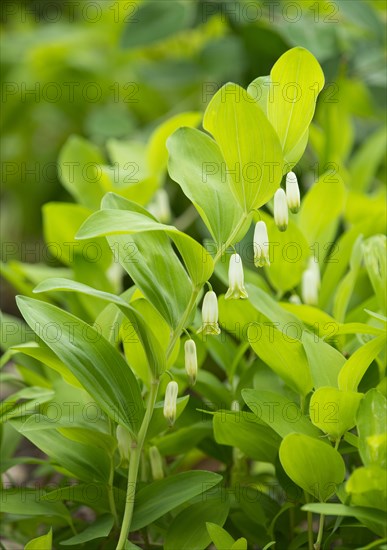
(40,543)
(97,530)
(372,429)
(366,160)
(368,487)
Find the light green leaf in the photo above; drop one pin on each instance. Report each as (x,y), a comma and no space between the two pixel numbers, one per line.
(219,536)
(160,497)
(197,165)
(270,308)
(40,543)
(312,464)
(248,143)
(356,366)
(188,529)
(296,80)
(366,160)
(325,361)
(334,411)
(93,361)
(368,487)
(245,431)
(280,413)
(285,355)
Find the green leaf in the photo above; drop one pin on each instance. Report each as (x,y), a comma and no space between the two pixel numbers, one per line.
(25,502)
(296,80)
(280,413)
(319,214)
(368,487)
(334,411)
(139,328)
(93,361)
(188,529)
(197,165)
(366,160)
(325,361)
(40,543)
(312,464)
(100,528)
(373,519)
(79,171)
(245,431)
(270,308)
(356,366)
(219,536)
(157,152)
(284,355)
(160,497)
(248,143)
(115,222)
(372,429)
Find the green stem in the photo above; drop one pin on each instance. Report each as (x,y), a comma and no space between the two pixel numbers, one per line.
(177,332)
(309,516)
(231,238)
(135,457)
(317,546)
(112,503)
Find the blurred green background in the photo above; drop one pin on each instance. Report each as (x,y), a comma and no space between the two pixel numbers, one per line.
(116,69)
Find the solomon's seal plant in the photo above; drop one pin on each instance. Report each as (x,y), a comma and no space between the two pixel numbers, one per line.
(282,439)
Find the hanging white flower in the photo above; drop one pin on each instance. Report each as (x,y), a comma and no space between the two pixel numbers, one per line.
(235,279)
(210,314)
(309,287)
(191,361)
(292,192)
(170,401)
(281,215)
(261,245)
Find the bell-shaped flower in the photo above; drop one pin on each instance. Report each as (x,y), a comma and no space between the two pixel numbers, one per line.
(170,402)
(236,281)
(156,463)
(309,287)
(281,215)
(292,192)
(261,245)
(191,361)
(210,314)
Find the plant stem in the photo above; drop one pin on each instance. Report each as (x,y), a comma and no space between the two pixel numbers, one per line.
(309,516)
(317,546)
(112,503)
(177,332)
(134,464)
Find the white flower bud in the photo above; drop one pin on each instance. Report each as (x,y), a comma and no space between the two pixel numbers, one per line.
(124,441)
(261,245)
(294,299)
(210,314)
(313,266)
(281,215)
(170,402)
(156,463)
(309,287)
(235,279)
(191,361)
(292,192)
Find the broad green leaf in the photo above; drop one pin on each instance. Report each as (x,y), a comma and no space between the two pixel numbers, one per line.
(366,160)
(120,222)
(24,402)
(197,165)
(100,528)
(80,173)
(245,431)
(373,519)
(188,529)
(145,254)
(26,502)
(325,362)
(356,366)
(334,411)
(372,429)
(181,441)
(40,543)
(160,497)
(93,361)
(140,331)
(319,214)
(219,536)
(248,143)
(312,464)
(259,90)
(280,413)
(157,153)
(285,355)
(368,487)
(296,80)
